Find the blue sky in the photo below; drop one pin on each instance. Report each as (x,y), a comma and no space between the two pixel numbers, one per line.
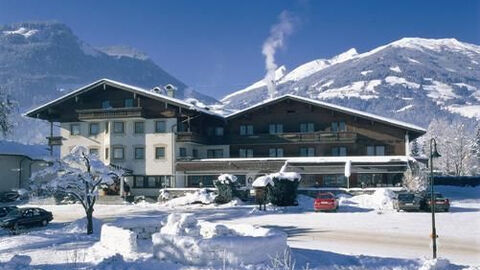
(215,46)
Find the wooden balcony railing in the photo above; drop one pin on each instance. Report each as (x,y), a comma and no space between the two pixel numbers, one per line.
(292,137)
(110,113)
(295,137)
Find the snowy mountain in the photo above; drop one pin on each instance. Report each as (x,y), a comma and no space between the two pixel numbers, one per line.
(41,61)
(412,79)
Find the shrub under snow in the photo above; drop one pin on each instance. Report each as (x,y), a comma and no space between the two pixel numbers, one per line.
(226,187)
(184,240)
(282,187)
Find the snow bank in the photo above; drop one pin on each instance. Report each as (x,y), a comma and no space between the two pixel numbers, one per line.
(200,196)
(263,181)
(185,240)
(118,239)
(80,226)
(381,199)
(436,264)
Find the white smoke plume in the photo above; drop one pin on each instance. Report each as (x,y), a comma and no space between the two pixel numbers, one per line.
(278,33)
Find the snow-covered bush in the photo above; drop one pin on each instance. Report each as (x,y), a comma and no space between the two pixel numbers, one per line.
(185,240)
(226,185)
(283,191)
(163,196)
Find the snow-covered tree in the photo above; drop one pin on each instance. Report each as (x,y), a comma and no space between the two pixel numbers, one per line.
(414,179)
(454,143)
(415,148)
(80,175)
(6,108)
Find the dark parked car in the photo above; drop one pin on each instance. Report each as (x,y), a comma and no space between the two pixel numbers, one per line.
(441,203)
(4,210)
(24,217)
(408,201)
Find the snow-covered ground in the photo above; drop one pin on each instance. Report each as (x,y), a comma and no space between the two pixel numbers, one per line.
(365,234)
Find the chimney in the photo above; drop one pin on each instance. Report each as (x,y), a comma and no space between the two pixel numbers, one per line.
(157,89)
(170,89)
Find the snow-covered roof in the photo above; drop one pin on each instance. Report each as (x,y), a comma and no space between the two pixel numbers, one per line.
(330,159)
(127,87)
(338,108)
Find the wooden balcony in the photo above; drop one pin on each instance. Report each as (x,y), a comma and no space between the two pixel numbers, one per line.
(91,114)
(295,137)
(191,137)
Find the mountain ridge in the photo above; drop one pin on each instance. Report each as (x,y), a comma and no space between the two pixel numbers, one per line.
(399,79)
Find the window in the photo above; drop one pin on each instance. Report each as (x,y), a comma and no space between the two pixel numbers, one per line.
(275,152)
(219,131)
(339,126)
(118,153)
(94,151)
(307,151)
(214,153)
(246,153)
(183,151)
(370,150)
(160,127)
(155,181)
(195,153)
(152,182)
(378,150)
(339,151)
(107,152)
(138,181)
(275,128)
(118,127)
(107,126)
(307,127)
(159,152)
(334,180)
(139,127)
(139,153)
(75,129)
(106,104)
(128,103)
(246,130)
(94,128)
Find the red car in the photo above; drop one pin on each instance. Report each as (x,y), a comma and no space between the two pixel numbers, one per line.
(325,202)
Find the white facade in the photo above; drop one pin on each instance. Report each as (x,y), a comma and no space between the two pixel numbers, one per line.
(109,143)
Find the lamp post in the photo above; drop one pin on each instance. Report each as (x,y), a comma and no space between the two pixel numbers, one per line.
(433,154)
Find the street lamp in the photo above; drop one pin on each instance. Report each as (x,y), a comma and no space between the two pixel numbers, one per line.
(433,154)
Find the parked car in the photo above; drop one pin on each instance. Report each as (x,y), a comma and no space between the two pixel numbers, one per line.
(4,210)
(441,203)
(408,201)
(25,217)
(325,202)
(9,196)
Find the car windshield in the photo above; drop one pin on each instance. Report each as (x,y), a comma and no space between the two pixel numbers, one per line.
(325,196)
(406,197)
